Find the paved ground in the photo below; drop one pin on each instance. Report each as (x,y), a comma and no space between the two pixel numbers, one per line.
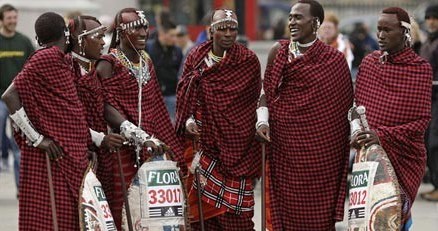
(425,213)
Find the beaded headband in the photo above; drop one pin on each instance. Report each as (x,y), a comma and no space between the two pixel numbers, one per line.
(142,21)
(227,22)
(94,31)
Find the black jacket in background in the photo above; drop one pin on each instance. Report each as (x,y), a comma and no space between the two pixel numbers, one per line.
(167,61)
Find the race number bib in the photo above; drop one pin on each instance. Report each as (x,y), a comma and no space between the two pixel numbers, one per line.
(164,194)
(94,211)
(156,198)
(361,185)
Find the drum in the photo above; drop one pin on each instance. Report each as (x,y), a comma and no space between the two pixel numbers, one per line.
(94,211)
(157,198)
(374,196)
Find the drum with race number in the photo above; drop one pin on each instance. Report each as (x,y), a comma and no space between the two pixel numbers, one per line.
(157,198)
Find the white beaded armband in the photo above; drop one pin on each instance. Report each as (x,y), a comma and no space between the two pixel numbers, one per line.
(355,127)
(262,116)
(22,121)
(136,134)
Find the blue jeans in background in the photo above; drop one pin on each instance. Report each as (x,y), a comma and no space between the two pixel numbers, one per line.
(8,143)
(170,102)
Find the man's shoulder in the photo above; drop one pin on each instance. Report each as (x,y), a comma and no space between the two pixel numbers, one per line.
(48,55)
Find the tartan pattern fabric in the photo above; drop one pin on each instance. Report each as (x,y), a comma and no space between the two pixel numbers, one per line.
(226,222)
(228,93)
(397,98)
(48,94)
(236,194)
(308,100)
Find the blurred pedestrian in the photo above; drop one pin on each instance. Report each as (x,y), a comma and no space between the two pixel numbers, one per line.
(183,40)
(204,35)
(329,33)
(167,58)
(308,94)
(15,48)
(429,51)
(362,44)
(417,36)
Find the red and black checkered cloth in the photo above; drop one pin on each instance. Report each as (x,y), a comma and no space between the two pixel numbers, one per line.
(225,95)
(122,93)
(397,98)
(48,94)
(228,92)
(308,101)
(91,94)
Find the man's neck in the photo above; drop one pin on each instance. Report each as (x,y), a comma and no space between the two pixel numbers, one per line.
(7,33)
(130,53)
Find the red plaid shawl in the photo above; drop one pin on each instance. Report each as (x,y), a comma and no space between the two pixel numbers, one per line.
(308,102)
(122,93)
(48,94)
(228,93)
(397,96)
(91,94)
(225,96)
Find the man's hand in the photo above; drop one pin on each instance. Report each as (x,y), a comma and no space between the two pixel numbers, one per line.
(51,148)
(156,149)
(193,130)
(262,133)
(112,142)
(366,139)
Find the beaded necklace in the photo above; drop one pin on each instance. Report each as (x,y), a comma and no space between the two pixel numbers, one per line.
(294,51)
(84,69)
(134,68)
(212,58)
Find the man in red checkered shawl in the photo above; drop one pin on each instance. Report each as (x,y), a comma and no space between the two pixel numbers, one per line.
(121,72)
(216,100)
(394,84)
(45,107)
(87,43)
(308,91)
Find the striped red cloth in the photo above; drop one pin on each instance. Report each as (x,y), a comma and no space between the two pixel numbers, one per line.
(122,93)
(308,100)
(223,98)
(397,98)
(48,94)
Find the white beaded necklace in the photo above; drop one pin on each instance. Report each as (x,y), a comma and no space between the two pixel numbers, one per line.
(306,44)
(134,69)
(294,51)
(84,69)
